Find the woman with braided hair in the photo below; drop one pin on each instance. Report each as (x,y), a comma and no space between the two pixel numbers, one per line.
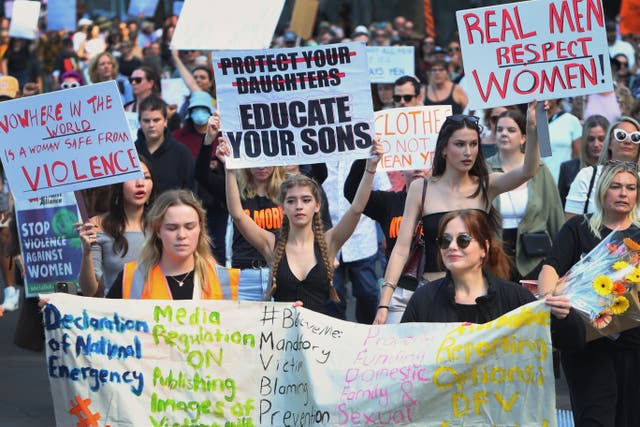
(301,257)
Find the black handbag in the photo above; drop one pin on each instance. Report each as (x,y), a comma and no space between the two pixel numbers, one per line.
(415,263)
(535,244)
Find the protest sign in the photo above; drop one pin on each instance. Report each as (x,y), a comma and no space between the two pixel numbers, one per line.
(142,7)
(295,106)
(49,243)
(24,19)
(408,136)
(251,29)
(133,122)
(58,16)
(177,7)
(167,363)
(53,143)
(388,63)
(174,91)
(542,49)
(303,17)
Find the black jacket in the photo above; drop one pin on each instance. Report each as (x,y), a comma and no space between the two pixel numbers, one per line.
(435,302)
(568,172)
(172,163)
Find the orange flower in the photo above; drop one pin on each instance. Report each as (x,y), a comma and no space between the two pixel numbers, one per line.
(612,248)
(619,288)
(602,319)
(631,244)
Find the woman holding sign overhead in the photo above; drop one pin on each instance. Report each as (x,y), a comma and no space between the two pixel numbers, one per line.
(301,258)
(460,180)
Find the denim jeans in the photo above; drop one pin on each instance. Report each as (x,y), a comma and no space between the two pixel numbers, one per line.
(364,287)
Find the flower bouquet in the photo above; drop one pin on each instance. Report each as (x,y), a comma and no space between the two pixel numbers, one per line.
(603,286)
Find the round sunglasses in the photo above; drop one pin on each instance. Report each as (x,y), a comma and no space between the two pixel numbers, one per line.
(621,135)
(462,240)
(69,85)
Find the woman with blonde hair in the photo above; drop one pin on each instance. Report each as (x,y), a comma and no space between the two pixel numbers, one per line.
(301,257)
(258,189)
(176,260)
(104,67)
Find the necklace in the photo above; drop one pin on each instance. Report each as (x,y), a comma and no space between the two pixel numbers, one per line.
(181,282)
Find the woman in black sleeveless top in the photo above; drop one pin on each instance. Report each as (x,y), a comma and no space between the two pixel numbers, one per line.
(460,180)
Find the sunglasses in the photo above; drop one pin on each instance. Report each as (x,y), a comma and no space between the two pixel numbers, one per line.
(464,118)
(630,165)
(69,85)
(454,49)
(592,138)
(406,98)
(136,80)
(621,135)
(462,240)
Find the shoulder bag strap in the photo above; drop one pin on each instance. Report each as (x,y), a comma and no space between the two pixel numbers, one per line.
(420,269)
(593,180)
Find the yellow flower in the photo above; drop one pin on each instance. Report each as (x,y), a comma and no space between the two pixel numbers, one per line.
(603,285)
(633,277)
(620,305)
(619,265)
(602,319)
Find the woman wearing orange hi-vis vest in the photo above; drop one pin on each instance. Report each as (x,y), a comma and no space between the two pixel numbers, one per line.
(176,260)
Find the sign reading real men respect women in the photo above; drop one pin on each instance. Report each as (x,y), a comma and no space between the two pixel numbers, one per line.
(541,49)
(226,363)
(66,141)
(294,106)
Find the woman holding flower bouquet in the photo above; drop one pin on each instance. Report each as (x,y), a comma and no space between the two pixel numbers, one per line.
(604,377)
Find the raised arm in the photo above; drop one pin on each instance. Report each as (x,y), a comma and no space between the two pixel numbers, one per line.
(400,252)
(501,182)
(263,240)
(87,278)
(343,230)
(184,72)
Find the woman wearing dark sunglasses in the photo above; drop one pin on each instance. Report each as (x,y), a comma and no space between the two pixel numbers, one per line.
(460,180)
(472,290)
(604,377)
(594,132)
(622,144)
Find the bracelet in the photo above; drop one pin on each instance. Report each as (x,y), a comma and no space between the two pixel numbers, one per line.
(371,172)
(383,306)
(389,285)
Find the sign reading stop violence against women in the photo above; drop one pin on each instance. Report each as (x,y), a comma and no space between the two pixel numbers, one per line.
(66,141)
(49,243)
(295,106)
(408,135)
(540,49)
(227,363)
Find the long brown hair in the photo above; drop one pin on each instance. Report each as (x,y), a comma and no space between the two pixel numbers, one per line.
(287,184)
(479,227)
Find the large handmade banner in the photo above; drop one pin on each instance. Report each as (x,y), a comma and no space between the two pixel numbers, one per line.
(53,143)
(295,106)
(49,243)
(540,49)
(408,135)
(215,363)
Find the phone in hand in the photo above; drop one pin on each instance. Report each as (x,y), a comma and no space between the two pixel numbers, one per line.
(66,287)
